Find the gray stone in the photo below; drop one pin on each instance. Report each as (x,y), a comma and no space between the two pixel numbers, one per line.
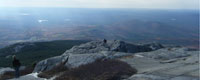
(48,64)
(156,77)
(3,70)
(184,78)
(118,46)
(146,77)
(89,52)
(32,76)
(81,59)
(166,54)
(170,68)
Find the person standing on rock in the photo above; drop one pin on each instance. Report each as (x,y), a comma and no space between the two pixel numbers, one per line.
(16,64)
(104,40)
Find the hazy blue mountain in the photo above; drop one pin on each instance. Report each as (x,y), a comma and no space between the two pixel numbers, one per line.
(177,27)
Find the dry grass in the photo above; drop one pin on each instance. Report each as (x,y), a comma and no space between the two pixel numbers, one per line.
(50,73)
(11,74)
(7,75)
(99,70)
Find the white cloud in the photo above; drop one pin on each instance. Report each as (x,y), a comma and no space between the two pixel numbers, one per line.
(24,14)
(40,21)
(183,4)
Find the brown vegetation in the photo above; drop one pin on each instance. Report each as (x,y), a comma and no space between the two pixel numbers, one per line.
(99,70)
(11,74)
(50,73)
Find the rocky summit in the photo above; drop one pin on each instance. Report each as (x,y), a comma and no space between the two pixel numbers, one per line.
(91,51)
(152,61)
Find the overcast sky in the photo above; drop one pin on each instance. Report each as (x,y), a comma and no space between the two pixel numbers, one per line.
(166,4)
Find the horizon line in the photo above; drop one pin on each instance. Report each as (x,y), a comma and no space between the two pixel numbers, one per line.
(102,8)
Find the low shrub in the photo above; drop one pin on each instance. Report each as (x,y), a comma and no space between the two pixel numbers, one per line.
(50,73)
(11,74)
(99,70)
(7,75)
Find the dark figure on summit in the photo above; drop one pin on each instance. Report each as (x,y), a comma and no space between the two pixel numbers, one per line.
(16,64)
(104,40)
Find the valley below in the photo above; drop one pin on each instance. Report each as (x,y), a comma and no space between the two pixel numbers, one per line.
(170,27)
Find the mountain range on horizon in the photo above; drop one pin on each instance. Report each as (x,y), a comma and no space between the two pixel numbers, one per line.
(172,27)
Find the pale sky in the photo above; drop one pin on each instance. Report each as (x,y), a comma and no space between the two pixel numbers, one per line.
(160,4)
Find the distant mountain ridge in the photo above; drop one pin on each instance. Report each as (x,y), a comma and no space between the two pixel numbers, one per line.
(179,27)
